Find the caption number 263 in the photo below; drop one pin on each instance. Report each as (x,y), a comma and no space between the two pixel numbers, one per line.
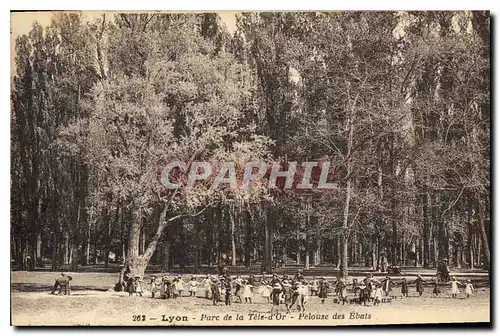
(138,318)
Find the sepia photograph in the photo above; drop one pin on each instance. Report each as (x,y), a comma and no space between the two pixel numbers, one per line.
(250,168)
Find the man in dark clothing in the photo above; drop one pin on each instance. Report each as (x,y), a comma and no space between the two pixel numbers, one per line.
(63,283)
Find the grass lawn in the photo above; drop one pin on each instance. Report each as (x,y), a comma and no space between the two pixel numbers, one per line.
(94,303)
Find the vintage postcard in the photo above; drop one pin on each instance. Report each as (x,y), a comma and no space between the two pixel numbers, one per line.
(316,168)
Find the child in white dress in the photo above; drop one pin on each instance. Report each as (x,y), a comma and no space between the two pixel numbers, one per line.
(247,292)
(193,287)
(454,287)
(207,285)
(379,293)
(265,290)
(469,289)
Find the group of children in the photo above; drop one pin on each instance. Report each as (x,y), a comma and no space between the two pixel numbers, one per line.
(287,291)
(375,290)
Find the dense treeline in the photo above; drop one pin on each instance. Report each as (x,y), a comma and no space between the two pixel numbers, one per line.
(397,102)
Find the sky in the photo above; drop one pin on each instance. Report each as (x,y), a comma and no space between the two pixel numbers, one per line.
(21,23)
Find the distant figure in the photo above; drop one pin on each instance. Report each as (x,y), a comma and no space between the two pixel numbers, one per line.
(341,290)
(228,288)
(323,287)
(379,293)
(315,287)
(265,289)
(207,285)
(387,285)
(216,293)
(63,284)
(287,294)
(154,286)
(436,290)
(129,280)
(364,293)
(247,292)
(454,287)
(275,294)
(238,288)
(355,286)
(138,285)
(419,284)
(193,286)
(404,287)
(469,289)
(179,286)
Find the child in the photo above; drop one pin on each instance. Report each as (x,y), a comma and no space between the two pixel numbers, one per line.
(341,290)
(193,286)
(138,285)
(216,293)
(379,293)
(207,285)
(179,286)
(315,287)
(364,293)
(238,285)
(228,288)
(154,285)
(265,290)
(469,289)
(247,291)
(287,294)
(436,289)
(454,287)
(419,284)
(387,285)
(323,289)
(355,286)
(129,279)
(303,296)
(276,290)
(404,288)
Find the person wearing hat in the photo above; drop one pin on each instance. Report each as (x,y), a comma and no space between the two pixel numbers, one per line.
(193,286)
(419,284)
(154,286)
(387,285)
(216,291)
(469,289)
(275,292)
